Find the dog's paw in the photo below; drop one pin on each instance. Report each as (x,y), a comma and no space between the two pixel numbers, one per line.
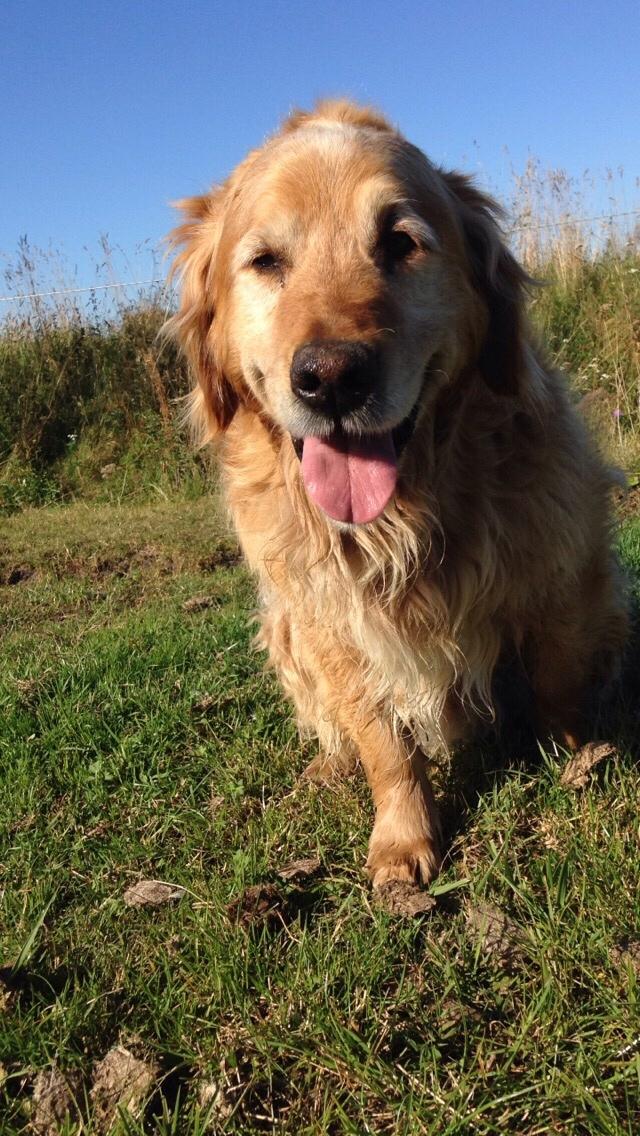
(326,769)
(415,863)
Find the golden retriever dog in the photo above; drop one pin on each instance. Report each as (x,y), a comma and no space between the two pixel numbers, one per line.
(406,474)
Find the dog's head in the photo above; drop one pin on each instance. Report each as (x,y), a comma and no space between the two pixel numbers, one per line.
(334,283)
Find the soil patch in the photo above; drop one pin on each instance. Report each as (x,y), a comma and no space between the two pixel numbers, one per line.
(627,502)
(16,574)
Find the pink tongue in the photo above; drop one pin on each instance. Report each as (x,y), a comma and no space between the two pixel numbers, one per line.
(351,479)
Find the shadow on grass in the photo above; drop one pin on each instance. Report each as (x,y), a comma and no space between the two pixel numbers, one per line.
(481,766)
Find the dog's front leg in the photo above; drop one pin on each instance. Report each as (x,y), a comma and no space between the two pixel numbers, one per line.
(405,842)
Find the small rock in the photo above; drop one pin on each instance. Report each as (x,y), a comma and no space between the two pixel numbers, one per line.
(575,774)
(152,893)
(399,897)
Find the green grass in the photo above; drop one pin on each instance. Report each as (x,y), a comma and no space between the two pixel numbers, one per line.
(589,315)
(89,409)
(337,1017)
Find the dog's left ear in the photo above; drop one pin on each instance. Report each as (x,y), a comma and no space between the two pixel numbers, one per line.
(500,281)
(195,325)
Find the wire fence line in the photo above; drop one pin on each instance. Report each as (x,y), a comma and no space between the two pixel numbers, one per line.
(568,221)
(77,291)
(164,286)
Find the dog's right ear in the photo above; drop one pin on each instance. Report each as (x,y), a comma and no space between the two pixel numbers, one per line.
(214,401)
(498,279)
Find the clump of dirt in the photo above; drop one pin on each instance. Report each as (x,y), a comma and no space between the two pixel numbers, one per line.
(106,565)
(54,1100)
(215,1104)
(121,1083)
(101,566)
(7,992)
(141,559)
(275,905)
(300,870)
(152,893)
(204,704)
(260,904)
(399,897)
(498,937)
(200,603)
(226,557)
(627,955)
(627,502)
(576,772)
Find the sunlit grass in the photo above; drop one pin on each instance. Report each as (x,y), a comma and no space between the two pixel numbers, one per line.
(138,740)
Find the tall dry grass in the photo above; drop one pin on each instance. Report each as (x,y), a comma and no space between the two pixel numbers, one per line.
(89,392)
(587,260)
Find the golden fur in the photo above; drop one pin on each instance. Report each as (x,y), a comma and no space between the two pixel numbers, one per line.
(386,635)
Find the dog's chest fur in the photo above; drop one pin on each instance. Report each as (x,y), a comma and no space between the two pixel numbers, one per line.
(378,598)
(419,605)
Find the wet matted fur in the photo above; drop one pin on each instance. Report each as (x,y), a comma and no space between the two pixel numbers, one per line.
(356,326)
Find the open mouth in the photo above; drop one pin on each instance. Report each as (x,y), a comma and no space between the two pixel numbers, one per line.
(353,477)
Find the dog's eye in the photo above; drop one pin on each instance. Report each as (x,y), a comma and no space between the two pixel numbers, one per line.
(399,245)
(266,262)
(395,246)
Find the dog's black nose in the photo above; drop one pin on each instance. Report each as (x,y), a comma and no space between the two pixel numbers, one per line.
(333,375)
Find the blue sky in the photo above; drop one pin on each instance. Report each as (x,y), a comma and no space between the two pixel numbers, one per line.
(111,110)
